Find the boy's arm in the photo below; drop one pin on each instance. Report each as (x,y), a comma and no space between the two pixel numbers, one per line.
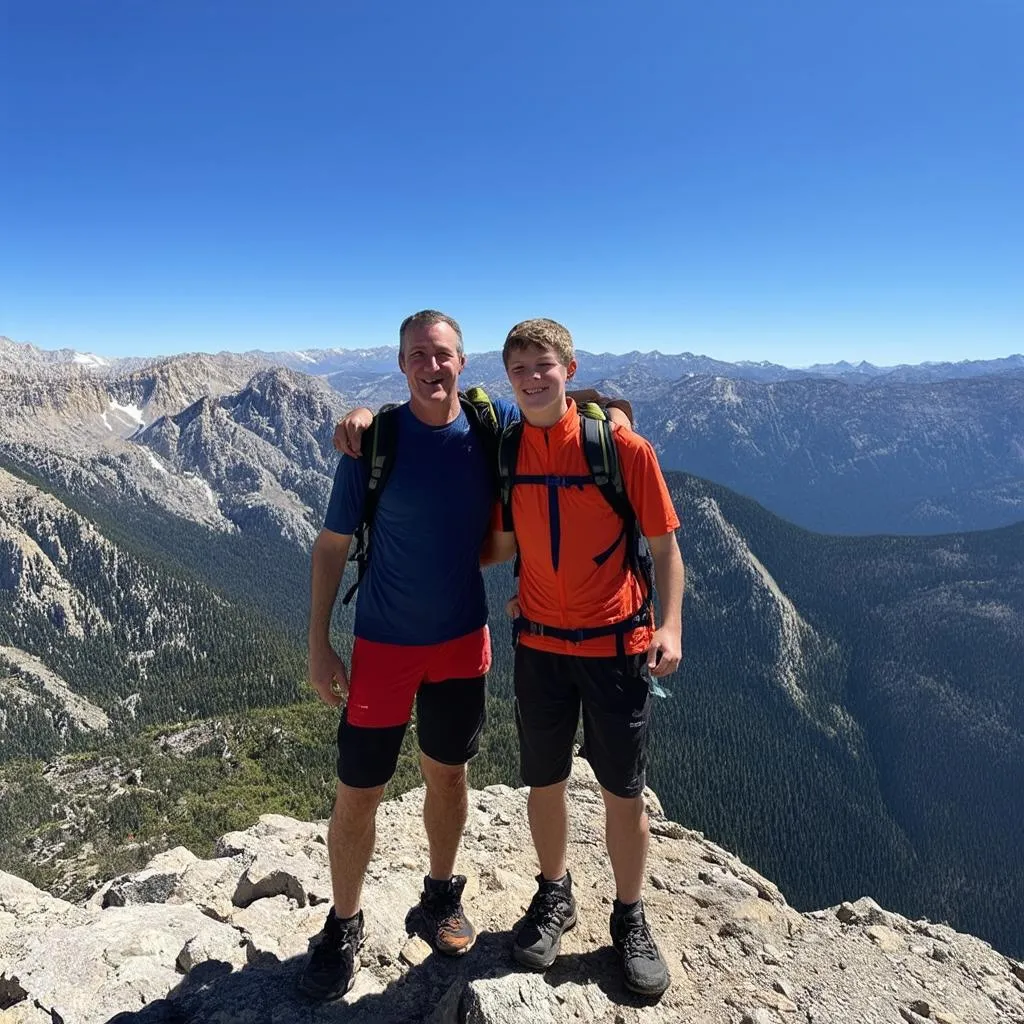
(498,547)
(666,650)
(649,495)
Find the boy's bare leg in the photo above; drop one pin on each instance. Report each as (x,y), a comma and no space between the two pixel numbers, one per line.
(627,837)
(549,826)
(350,839)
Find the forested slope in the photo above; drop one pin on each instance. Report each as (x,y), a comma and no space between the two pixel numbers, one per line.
(848,716)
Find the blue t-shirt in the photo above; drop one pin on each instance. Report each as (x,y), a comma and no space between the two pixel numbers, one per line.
(423,583)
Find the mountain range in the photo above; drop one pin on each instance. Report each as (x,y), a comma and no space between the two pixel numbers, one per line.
(836,448)
(848,718)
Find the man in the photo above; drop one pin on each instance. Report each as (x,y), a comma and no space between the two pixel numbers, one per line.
(585,638)
(421,618)
(420,634)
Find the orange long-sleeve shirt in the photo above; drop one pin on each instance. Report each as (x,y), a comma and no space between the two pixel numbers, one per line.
(560,530)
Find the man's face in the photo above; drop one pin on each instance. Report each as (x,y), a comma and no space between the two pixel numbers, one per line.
(538,378)
(430,360)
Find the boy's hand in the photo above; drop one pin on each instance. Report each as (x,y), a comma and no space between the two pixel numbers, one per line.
(348,434)
(512,609)
(665,652)
(327,674)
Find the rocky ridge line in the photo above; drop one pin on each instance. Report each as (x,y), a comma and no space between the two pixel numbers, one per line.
(223,939)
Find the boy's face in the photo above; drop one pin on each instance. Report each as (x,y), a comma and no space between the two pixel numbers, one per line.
(538,378)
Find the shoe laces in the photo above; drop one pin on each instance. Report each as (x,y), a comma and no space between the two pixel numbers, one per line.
(338,936)
(637,941)
(446,906)
(546,903)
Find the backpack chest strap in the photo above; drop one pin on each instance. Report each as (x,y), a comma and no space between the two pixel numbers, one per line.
(553,481)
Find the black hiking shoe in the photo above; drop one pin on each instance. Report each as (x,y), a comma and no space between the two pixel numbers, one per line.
(552,911)
(331,968)
(448,929)
(643,968)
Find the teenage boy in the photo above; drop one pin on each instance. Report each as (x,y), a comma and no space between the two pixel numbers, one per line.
(585,638)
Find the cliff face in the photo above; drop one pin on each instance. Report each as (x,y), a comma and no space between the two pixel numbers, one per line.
(223,939)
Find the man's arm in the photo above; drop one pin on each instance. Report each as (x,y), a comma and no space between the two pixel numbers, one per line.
(348,432)
(618,410)
(670,579)
(327,671)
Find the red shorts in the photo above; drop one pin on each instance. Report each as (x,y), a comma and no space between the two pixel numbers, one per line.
(385,677)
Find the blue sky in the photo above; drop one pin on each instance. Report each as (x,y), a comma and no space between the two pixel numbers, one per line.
(800,181)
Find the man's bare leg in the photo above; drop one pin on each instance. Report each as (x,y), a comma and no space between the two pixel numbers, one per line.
(627,838)
(549,826)
(350,841)
(444,816)
(444,813)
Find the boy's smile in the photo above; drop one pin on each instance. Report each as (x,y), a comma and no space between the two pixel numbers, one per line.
(538,381)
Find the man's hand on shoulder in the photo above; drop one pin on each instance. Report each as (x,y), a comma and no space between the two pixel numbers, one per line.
(327,673)
(619,417)
(348,433)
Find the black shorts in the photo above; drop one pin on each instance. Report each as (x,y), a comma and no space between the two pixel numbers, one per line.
(450,717)
(616,701)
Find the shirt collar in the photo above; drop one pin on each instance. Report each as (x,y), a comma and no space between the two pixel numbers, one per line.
(563,430)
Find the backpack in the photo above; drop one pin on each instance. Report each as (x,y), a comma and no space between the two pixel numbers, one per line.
(602,457)
(381,443)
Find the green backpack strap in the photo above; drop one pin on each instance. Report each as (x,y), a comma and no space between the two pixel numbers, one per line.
(603,459)
(483,418)
(602,456)
(380,442)
(481,408)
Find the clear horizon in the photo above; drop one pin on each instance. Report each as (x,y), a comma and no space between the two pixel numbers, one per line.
(802,184)
(484,351)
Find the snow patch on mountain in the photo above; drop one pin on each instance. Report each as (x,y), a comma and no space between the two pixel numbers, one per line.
(129,411)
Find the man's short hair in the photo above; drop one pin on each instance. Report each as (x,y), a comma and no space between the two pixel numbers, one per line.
(427,318)
(543,334)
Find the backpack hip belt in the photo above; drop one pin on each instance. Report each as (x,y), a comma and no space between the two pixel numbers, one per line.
(643,616)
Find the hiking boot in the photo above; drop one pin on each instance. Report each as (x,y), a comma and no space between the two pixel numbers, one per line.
(643,968)
(552,911)
(332,965)
(449,931)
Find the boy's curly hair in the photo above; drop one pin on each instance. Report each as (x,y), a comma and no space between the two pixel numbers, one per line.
(543,334)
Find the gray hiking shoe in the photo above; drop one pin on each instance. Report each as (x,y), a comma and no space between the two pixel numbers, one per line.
(330,970)
(643,967)
(552,912)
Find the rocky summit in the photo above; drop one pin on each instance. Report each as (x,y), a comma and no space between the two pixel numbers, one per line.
(223,940)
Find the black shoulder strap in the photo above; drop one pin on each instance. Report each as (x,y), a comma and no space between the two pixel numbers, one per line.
(380,443)
(483,419)
(603,459)
(508,457)
(602,456)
